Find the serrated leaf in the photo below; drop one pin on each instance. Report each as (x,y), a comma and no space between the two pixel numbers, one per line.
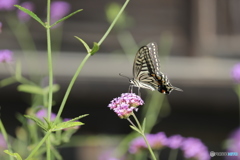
(15,155)
(66,17)
(84,43)
(77,118)
(135,129)
(30,13)
(30,89)
(37,121)
(55,88)
(64,125)
(95,48)
(7,81)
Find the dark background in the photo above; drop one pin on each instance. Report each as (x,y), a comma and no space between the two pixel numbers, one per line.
(205,37)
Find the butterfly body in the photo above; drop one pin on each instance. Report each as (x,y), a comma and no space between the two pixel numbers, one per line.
(146,71)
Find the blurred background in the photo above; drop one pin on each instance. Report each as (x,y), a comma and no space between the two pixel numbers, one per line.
(198,46)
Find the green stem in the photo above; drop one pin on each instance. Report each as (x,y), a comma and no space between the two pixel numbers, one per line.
(50,70)
(5,136)
(113,23)
(173,154)
(70,86)
(144,137)
(39,145)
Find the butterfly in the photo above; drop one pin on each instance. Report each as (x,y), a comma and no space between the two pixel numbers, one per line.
(146,71)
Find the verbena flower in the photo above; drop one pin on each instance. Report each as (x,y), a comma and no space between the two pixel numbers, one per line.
(6,56)
(3,144)
(235,73)
(125,105)
(59,9)
(195,149)
(41,114)
(234,144)
(7,4)
(175,141)
(156,141)
(22,16)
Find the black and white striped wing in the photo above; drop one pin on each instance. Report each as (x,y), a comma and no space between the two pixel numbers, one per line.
(142,69)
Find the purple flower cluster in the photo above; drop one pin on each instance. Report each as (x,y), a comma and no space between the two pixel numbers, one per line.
(234,143)
(3,144)
(124,106)
(7,5)
(194,148)
(191,147)
(235,73)
(41,114)
(156,141)
(6,56)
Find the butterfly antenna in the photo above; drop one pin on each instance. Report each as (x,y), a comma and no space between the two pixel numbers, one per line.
(178,89)
(120,74)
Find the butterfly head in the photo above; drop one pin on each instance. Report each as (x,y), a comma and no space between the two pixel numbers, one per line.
(167,87)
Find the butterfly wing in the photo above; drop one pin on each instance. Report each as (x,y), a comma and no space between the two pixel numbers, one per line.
(141,70)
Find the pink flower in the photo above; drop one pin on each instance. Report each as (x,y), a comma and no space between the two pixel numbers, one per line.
(59,9)
(41,114)
(156,141)
(6,56)
(124,106)
(7,4)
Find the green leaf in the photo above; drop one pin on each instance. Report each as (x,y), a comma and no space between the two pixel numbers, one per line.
(77,118)
(55,88)
(135,129)
(144,124)
(30,89)
(15,155)
(95,48)
(7,81)
(38,122)
(84,43)
(66,17)
(49,124)
(64,125)
(30,13)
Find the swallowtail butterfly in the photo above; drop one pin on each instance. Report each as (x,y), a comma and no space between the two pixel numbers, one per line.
(146,71)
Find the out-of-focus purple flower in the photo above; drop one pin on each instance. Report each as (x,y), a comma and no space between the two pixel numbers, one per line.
(3,144)
(234,144)
(43,114)
(175,141)
(235,73)
(124,106)
(194,148)
(22,16)
(68,119)
(6,56)
(156,141)
(7,5)
(59,9)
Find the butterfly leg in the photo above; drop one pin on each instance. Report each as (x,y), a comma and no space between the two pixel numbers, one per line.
(130,89)
(139,93)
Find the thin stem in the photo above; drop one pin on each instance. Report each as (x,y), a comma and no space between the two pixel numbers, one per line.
(50,70)
(173,154)
(5,136)
(131,122)
(39,145)
(70,86)
(144,137)
(113,23)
